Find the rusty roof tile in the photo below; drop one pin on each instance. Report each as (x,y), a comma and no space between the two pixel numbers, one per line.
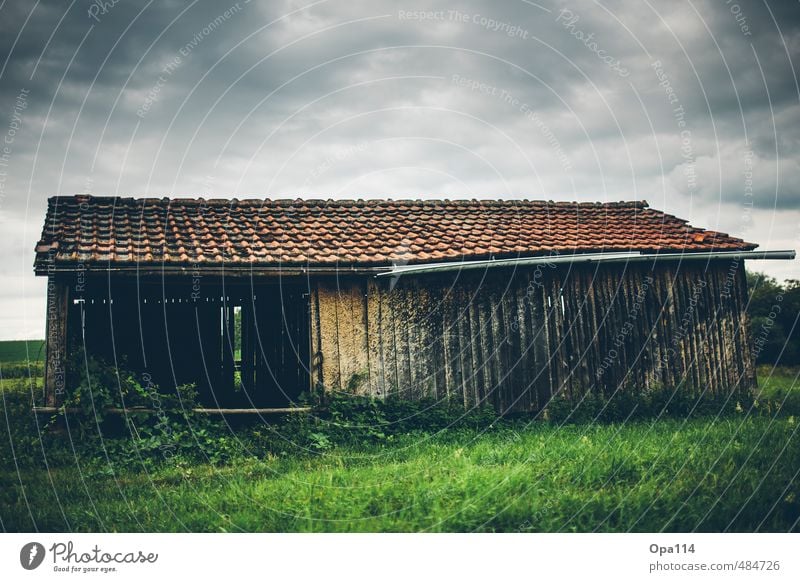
(96,230)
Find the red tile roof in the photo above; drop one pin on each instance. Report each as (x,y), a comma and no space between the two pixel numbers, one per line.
(98,231)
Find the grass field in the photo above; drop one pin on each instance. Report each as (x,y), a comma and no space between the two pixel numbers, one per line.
(733,473)
(19,351)
(736,475)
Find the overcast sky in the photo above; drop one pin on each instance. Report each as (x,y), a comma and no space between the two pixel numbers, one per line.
(690,105)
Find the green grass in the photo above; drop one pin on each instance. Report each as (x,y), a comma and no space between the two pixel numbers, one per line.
(21,350)
(780,385)
(701,475)
(737,473)
(734,473)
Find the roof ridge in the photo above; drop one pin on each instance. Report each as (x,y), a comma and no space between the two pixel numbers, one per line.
(285,201)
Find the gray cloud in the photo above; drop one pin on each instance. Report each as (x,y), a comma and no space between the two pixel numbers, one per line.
(381,99)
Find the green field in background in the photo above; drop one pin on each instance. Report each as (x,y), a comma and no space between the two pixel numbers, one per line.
(21,350)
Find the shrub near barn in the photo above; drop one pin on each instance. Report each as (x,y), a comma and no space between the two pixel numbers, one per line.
(774,326)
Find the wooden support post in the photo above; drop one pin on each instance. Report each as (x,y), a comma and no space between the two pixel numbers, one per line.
(56,342)
(749,382)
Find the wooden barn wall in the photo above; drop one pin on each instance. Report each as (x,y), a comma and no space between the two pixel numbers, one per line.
(514,339)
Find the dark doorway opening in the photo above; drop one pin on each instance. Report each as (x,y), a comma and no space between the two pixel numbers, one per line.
(243,344)
(271,370)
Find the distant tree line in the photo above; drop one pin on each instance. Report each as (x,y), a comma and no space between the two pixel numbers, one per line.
(774,327)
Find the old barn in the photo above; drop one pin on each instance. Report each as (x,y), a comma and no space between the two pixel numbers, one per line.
(505,302)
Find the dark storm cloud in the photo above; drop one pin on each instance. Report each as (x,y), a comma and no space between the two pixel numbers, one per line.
(549,99)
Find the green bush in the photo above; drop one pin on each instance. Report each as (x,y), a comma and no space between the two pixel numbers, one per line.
(22,369)
(668,403)
(27,440)
(773,310)
(135,420)
(345,419)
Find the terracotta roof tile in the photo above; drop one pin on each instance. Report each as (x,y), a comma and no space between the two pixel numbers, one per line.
(95,230)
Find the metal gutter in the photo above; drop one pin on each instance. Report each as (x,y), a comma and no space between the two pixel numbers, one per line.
(247,270)
(625,257)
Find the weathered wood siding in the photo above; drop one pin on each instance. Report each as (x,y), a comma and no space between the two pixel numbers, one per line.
(55,341)
(515,338)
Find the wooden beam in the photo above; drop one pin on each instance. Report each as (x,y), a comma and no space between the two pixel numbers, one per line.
(56,342)
(135,410)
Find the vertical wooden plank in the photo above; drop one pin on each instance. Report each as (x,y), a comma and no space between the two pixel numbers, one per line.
(397,353)
(329,336)
(464,348)
(411,311)
(403,339)
(225,392)
(478,363)
(632,356)
(422,302)
(582,344)
(455,344)
(537,322)
(742,319)
(448,344)
(208,318)
(551,321)
(703,341)
(346,336)
(56,344)
(658,326)
(361,352)
(316,356)
(248,346)
(529,363)
(496,298)
(377,342)
(436,328)
(485,345)
(514,319)
(570,329)
(727,337)
(593,348)
(641,294)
